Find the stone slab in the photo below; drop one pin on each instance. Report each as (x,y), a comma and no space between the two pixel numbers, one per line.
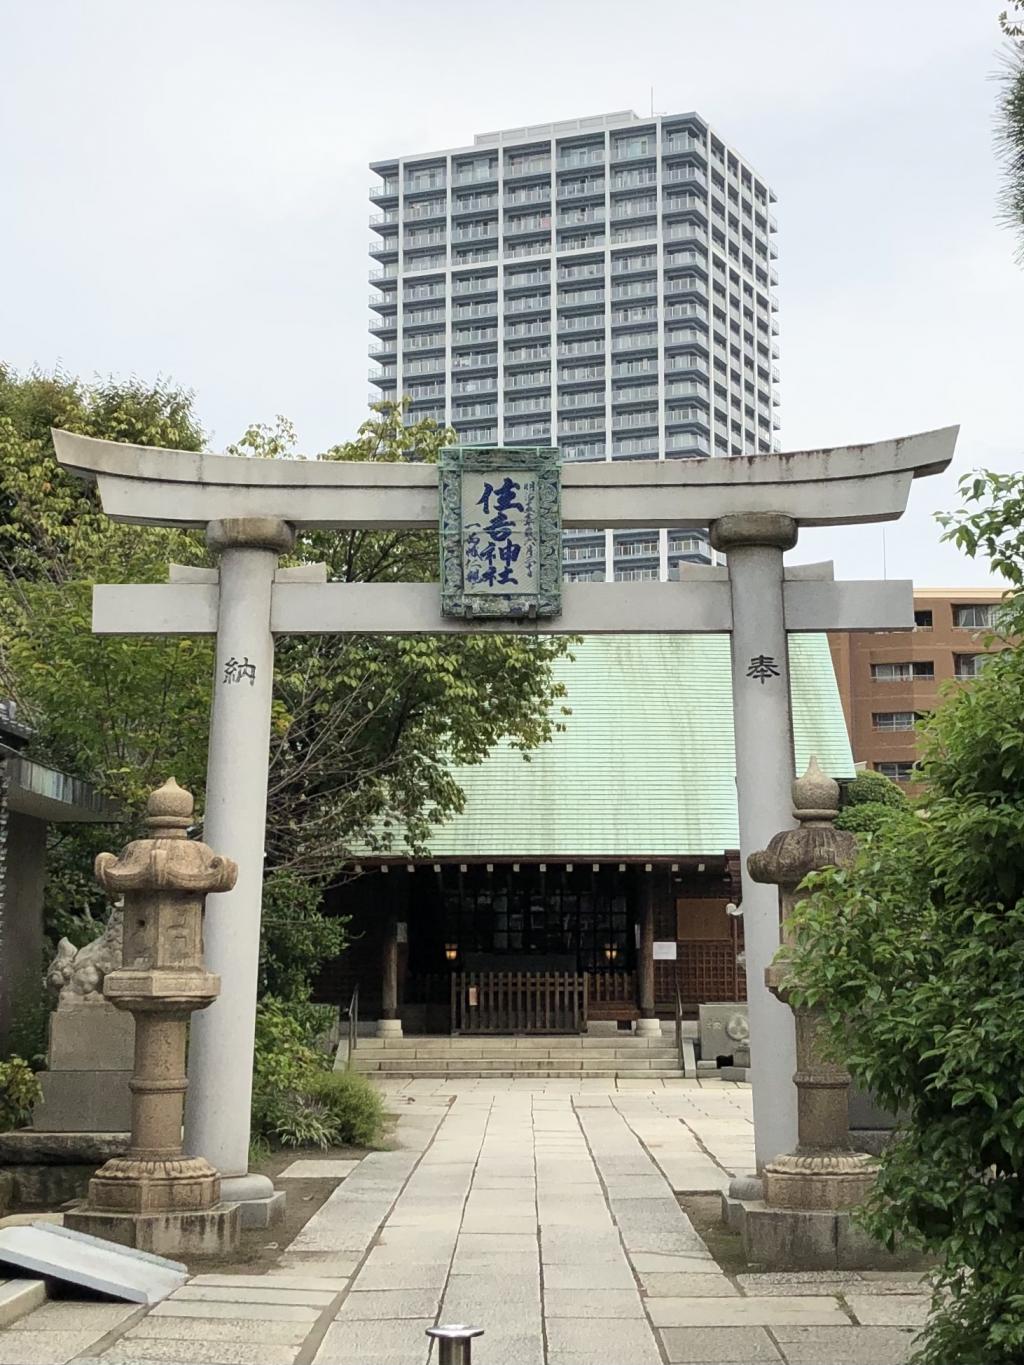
(26,1147)
(592,1303)
(375,1343)
(601,1341)
(660,1286)
(376,1305)
(273,1279)
(193,1351)
(806,1310)
(721,1346)
(42,1348)
(261,1213)
(83,1101)
(202,1232)
(64,1315)
(309,1168)
(246,1328)
(845,1345)
(93,1038)
(203,1293)
(74,1258)
(268,1312)
(889,1310)
(590,1275)
(18,1298)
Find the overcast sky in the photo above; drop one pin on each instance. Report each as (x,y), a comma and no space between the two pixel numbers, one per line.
(185,194)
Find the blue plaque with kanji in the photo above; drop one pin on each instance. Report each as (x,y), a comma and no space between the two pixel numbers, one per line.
(501,531)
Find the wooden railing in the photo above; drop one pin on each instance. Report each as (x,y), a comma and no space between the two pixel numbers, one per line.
(612,995)
(519,1002)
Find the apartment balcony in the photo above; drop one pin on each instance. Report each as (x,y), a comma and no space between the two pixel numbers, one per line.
(683,232)
(687,388)
(632,448)
(625,266)
(474,255)
(419,241)
(645,178)
(383,324)
(384,376)
(627,421)
(527,355)
(464,311)
(521,331)
(381,219)
(574,425)
(636,549)
(431,365)
(540,304)
(580,218)
(580,298)
(389,190)
(585,399)
(389,273)
(570,240)
(537,379)
(684,175)
(581,160)
(686,363)
(474,412)
(418,213)
(472,336)
(684,312)
(541,247)
(592,189)
(425,393)
(478,386)
(517,170)
(516,226)
(474,203)
(477,176)
(432,185)
(637,314)
(423,317)
(684,142)
(580,374)
(523,199)
(635,341)
(486,232)
(488,361)
(527,279)
(581,323)
(382,301)
(527,407)
(489,285)
(432,262)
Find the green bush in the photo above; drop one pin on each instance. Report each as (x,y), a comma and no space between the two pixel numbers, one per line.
(19,1091)
(916,957)
(297,1100)
(353,1103)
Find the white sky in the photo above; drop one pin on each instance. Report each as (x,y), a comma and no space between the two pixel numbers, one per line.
(185,194)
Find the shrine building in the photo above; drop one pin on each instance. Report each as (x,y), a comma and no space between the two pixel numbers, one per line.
(613,846)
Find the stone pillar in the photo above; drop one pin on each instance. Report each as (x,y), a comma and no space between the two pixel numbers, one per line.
(389,1025)
(647,1024)
(221,1051)
(822,1173)
(762,723)
(155,1198)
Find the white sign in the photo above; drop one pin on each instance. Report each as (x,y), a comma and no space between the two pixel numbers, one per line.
(665,950)
(499,531)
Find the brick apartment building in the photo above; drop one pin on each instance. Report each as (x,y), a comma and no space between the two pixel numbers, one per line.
(887,679)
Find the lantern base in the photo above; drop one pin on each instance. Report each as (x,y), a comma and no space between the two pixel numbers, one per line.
(193,1232)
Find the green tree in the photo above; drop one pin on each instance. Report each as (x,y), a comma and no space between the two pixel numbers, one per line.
(1010,121)
(365,728)
(916,955)
(868,802)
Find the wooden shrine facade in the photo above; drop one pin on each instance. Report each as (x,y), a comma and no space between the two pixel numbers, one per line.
(535,947)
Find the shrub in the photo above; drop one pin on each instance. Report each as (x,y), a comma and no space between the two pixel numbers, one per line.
(353,1103)
(19,1091)
(297,1100)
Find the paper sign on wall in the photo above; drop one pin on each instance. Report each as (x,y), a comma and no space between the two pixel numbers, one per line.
(665,950)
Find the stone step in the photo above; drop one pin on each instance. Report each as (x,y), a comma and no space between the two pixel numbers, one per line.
(492,1053)
(472,1068)
(481,1046)
(427,1074)
(18,1297)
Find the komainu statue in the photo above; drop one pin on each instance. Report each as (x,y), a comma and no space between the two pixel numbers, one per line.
(76,975)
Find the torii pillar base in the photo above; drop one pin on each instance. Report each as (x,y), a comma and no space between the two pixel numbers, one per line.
(190,1232)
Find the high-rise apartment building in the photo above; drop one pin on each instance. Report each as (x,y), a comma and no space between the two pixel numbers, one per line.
(603,284)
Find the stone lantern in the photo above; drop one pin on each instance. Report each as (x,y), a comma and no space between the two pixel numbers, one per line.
(155,1198)
(803,1221)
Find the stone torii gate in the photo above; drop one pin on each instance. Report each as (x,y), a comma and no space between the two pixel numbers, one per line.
(250,509)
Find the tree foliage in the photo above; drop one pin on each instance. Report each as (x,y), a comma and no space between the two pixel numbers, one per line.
(916,955)
(365,727)
(1010,122)
(868,802)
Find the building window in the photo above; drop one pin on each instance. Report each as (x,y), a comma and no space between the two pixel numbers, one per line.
(969,665)
(922,620)
(894,720)
(903,672)
(897,772)
(973,616)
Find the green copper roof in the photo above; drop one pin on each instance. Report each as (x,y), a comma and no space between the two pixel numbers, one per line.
(645,764)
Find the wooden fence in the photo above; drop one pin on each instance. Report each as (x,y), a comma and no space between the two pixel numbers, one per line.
(519,1002)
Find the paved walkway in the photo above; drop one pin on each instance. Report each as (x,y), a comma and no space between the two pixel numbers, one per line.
(543,1211)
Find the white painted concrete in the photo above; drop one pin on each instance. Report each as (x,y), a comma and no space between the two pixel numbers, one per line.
(221,1041)
(764,774)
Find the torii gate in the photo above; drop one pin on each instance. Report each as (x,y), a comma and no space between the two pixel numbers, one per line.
(250,509)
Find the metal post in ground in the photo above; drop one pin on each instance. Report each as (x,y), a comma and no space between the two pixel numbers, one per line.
(454,1343)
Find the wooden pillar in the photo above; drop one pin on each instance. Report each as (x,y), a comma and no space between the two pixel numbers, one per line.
(390,1025)
(645,966)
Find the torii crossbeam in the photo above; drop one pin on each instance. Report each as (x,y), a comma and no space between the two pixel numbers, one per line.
(250,509)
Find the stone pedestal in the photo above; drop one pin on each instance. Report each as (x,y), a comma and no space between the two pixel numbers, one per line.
(389,1028)
(803,1221)
(155,1198)
(89,1065)
(648,1028)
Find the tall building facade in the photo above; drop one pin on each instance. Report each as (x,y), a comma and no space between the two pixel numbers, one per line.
(889,679)
(604,284)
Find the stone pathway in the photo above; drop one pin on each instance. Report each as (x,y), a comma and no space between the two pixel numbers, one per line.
(542,1211)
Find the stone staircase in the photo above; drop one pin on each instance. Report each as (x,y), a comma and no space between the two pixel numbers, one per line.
(622,1056)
